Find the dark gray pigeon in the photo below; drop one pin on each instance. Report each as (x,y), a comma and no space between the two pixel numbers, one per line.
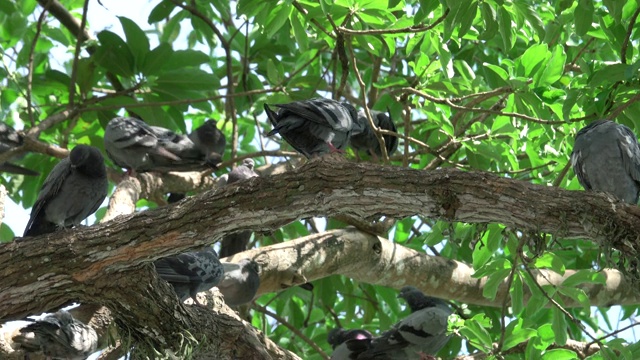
(240,282)
(314,127)
(238,242)
(10,139)
(367,140)
(73,190)
(210,141)
(348,344)
(422,333)
(59,336)
(191,272)
(133,144)
(606,157)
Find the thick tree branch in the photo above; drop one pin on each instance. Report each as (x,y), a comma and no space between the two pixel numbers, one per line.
(375,260)
(75,259)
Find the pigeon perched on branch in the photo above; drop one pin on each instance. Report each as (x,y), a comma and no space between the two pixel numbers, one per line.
(240,282)
(606,157)
(73,190)
(348,344)
(237,242)
(210,141)
(10,139)
(314,127)
(134,145)
(191,272)
(367,140)
(59,336)
(423,332)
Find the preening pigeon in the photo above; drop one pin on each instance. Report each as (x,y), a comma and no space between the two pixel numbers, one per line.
(314,127)
(10,139)
(348,344)
(423,332)
(237,242)
(59,336)
(191,272)
(134,145)
(210,141)
(367,140)
(606,157)
(73,190)
(240,282)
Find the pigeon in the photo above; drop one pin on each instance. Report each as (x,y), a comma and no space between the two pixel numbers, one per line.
(59,336)
(348,344)
(240,282)
(238,242)
(139,147)
(210,141)
(73,190)
(606,157)
(191,272)
(10,139)
(367,140)
(314,127)
(422,333)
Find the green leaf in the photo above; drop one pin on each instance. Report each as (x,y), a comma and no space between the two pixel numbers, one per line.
(559,325)
(136,39)
(559,354)
(187,79)
(553,69)
(161,11)
(517,295)
(475,330)
(515,334)
(114,54)
(609,75)
(493,282)
(551,261)
(490,18)
(504,20)
(584,16)
(157,59)
(585,276)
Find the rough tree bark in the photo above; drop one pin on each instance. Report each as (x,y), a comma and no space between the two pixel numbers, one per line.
(92,264)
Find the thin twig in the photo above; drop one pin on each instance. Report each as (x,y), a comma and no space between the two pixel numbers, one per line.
(30,66)
(292,328)
(76,54)
(625,43)
(410,29)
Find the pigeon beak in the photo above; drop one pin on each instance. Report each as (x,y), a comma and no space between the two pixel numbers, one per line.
(230,266)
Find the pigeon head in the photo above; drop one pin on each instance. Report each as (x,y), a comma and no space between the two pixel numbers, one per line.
(88,160)
(249,163)
(416,299)
(249,265)
(336,337)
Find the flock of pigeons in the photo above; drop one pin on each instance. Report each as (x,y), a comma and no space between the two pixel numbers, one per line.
(418,336)
(606,157)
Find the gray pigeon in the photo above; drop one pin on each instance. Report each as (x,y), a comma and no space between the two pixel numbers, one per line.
(133,144)
(240,282)
(314,127)
(191,272)
(10,139)
(237,242)
(423,332)
(73,190)
(348,344)
(606,157)
(367,140)
(59,336)
(210,141)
